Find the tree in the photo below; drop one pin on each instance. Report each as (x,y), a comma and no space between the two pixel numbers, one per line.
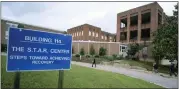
(165,42)
(92,50)
(20,26)
(102,51)
(82,52)
(64,32)
(133,49)
(114,38)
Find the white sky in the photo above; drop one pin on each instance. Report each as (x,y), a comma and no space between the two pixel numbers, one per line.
(65,15)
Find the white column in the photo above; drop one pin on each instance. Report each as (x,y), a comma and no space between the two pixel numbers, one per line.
(88,47)
(78,48)
(109,49)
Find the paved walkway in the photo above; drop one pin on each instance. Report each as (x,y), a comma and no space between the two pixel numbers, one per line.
(147,76)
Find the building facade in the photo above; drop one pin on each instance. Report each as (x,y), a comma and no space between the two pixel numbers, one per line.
(5,24)
(138,24)
(88,32)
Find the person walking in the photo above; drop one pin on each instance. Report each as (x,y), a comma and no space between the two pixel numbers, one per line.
(94,62)
(172,69)
(155,67)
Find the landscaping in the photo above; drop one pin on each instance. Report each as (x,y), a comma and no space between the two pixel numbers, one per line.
(77,77)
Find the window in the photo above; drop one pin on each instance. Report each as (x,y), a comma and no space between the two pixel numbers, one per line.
(6,35)
(75,34)
(79,33)
(89,33)
(110,37)
(105,37)
(93,33)
(101,37)
(82,33)
(96,34)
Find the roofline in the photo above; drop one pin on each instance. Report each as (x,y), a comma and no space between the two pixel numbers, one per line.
(31,25)
(84,25)
(139,7)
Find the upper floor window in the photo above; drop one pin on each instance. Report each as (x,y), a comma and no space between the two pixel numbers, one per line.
(79,33)
(89,33)
(93,33)
(101,37)
(96,34)
(82,33)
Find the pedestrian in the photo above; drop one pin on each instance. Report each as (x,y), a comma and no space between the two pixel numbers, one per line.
(155,67)
(172,69)
(94,62)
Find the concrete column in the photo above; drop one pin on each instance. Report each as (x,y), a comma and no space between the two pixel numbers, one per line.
(98,47)
(118,29)
(78,48)
(139,27)
(154,19)
(109,48)
(128,28)
(88,47)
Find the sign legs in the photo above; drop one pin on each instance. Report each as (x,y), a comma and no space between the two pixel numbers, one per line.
(17,80)
(60,79)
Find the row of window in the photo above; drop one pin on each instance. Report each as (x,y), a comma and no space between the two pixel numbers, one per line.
(77,34)
(90,33)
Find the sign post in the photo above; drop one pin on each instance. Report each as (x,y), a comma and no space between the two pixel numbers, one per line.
(60,79)
(17,80)
(31,50)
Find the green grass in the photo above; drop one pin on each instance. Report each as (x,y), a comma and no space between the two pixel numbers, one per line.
(147,65)
(77,77)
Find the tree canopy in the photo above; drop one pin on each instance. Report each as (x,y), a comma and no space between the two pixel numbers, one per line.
(165,42)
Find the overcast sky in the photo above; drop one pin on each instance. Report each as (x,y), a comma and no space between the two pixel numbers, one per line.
(64,15)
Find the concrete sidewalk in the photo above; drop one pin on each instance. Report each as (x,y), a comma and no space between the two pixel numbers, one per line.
(147,76)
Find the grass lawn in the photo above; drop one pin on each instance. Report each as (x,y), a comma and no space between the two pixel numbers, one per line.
(147,65)
(77,77)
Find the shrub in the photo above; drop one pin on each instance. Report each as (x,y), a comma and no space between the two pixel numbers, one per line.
(3,48)
(92,50)
(87,56)
(96,56)
(133,49)
(102,51)
(119,57)
(114,56)
(82,52)
(77,55)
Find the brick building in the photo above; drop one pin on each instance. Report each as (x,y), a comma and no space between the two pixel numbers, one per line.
(9,23)
(88,32)
(137,25)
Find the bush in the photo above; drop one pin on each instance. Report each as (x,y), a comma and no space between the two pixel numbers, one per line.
(119,57)
(77,55)
(82,52)
(102,51)
(3,48)
(87,56)
(92,50)
(96,56)
(114,56)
